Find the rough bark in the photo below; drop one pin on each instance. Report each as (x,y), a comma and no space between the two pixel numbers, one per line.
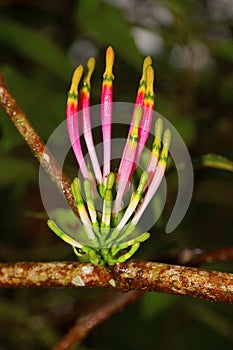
(141,276)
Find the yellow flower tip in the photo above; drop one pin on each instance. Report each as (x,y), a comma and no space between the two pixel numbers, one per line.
(76,185)
(150,78)
(167,138)
(109,61)
(137,116)
(90,69)
(110,53)
(143,237)
(147,62)
(158,128)
(76,78)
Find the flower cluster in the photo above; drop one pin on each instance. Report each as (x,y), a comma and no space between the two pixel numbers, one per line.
(110,231)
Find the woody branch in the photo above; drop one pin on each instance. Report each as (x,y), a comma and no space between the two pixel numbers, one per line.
(143,276)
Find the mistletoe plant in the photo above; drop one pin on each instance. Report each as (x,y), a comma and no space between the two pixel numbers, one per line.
(110,231)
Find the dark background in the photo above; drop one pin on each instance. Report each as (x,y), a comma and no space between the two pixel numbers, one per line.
(191,46)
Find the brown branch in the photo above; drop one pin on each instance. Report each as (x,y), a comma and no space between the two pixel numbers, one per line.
(141,276)
(94,318)
(144,276)
(196,256)
(37,146)
(224,254)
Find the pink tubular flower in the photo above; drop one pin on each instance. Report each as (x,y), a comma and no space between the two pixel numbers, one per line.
(110,231)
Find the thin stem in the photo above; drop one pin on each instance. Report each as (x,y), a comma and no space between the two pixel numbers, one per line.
(101,313)
(87,323)
(196,256)
(37,146)
(224,254)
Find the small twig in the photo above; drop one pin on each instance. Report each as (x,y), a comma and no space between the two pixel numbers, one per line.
(94,318)
(85,325)
(141,276)
(195,256)
(37,146)
(224,254)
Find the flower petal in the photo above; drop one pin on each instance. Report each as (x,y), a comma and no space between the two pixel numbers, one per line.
(106,111)
(127,161)
(72,120)
(85,118)
(158,176)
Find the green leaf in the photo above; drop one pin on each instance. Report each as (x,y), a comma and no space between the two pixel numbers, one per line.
(215,191)
(215,161)
(155,303)
(10,136)
(223,49)
(187,129)
(27,42)
(15,170)
(212,319)
(44,107)
(108,25)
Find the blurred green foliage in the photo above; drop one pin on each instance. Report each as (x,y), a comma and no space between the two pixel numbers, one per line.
(191,46)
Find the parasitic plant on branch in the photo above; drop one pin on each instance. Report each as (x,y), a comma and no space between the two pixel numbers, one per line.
(110,232)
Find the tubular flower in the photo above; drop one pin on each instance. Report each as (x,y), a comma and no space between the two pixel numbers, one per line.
(110,230)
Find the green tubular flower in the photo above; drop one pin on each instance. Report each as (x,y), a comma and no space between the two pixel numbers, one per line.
(110,231)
